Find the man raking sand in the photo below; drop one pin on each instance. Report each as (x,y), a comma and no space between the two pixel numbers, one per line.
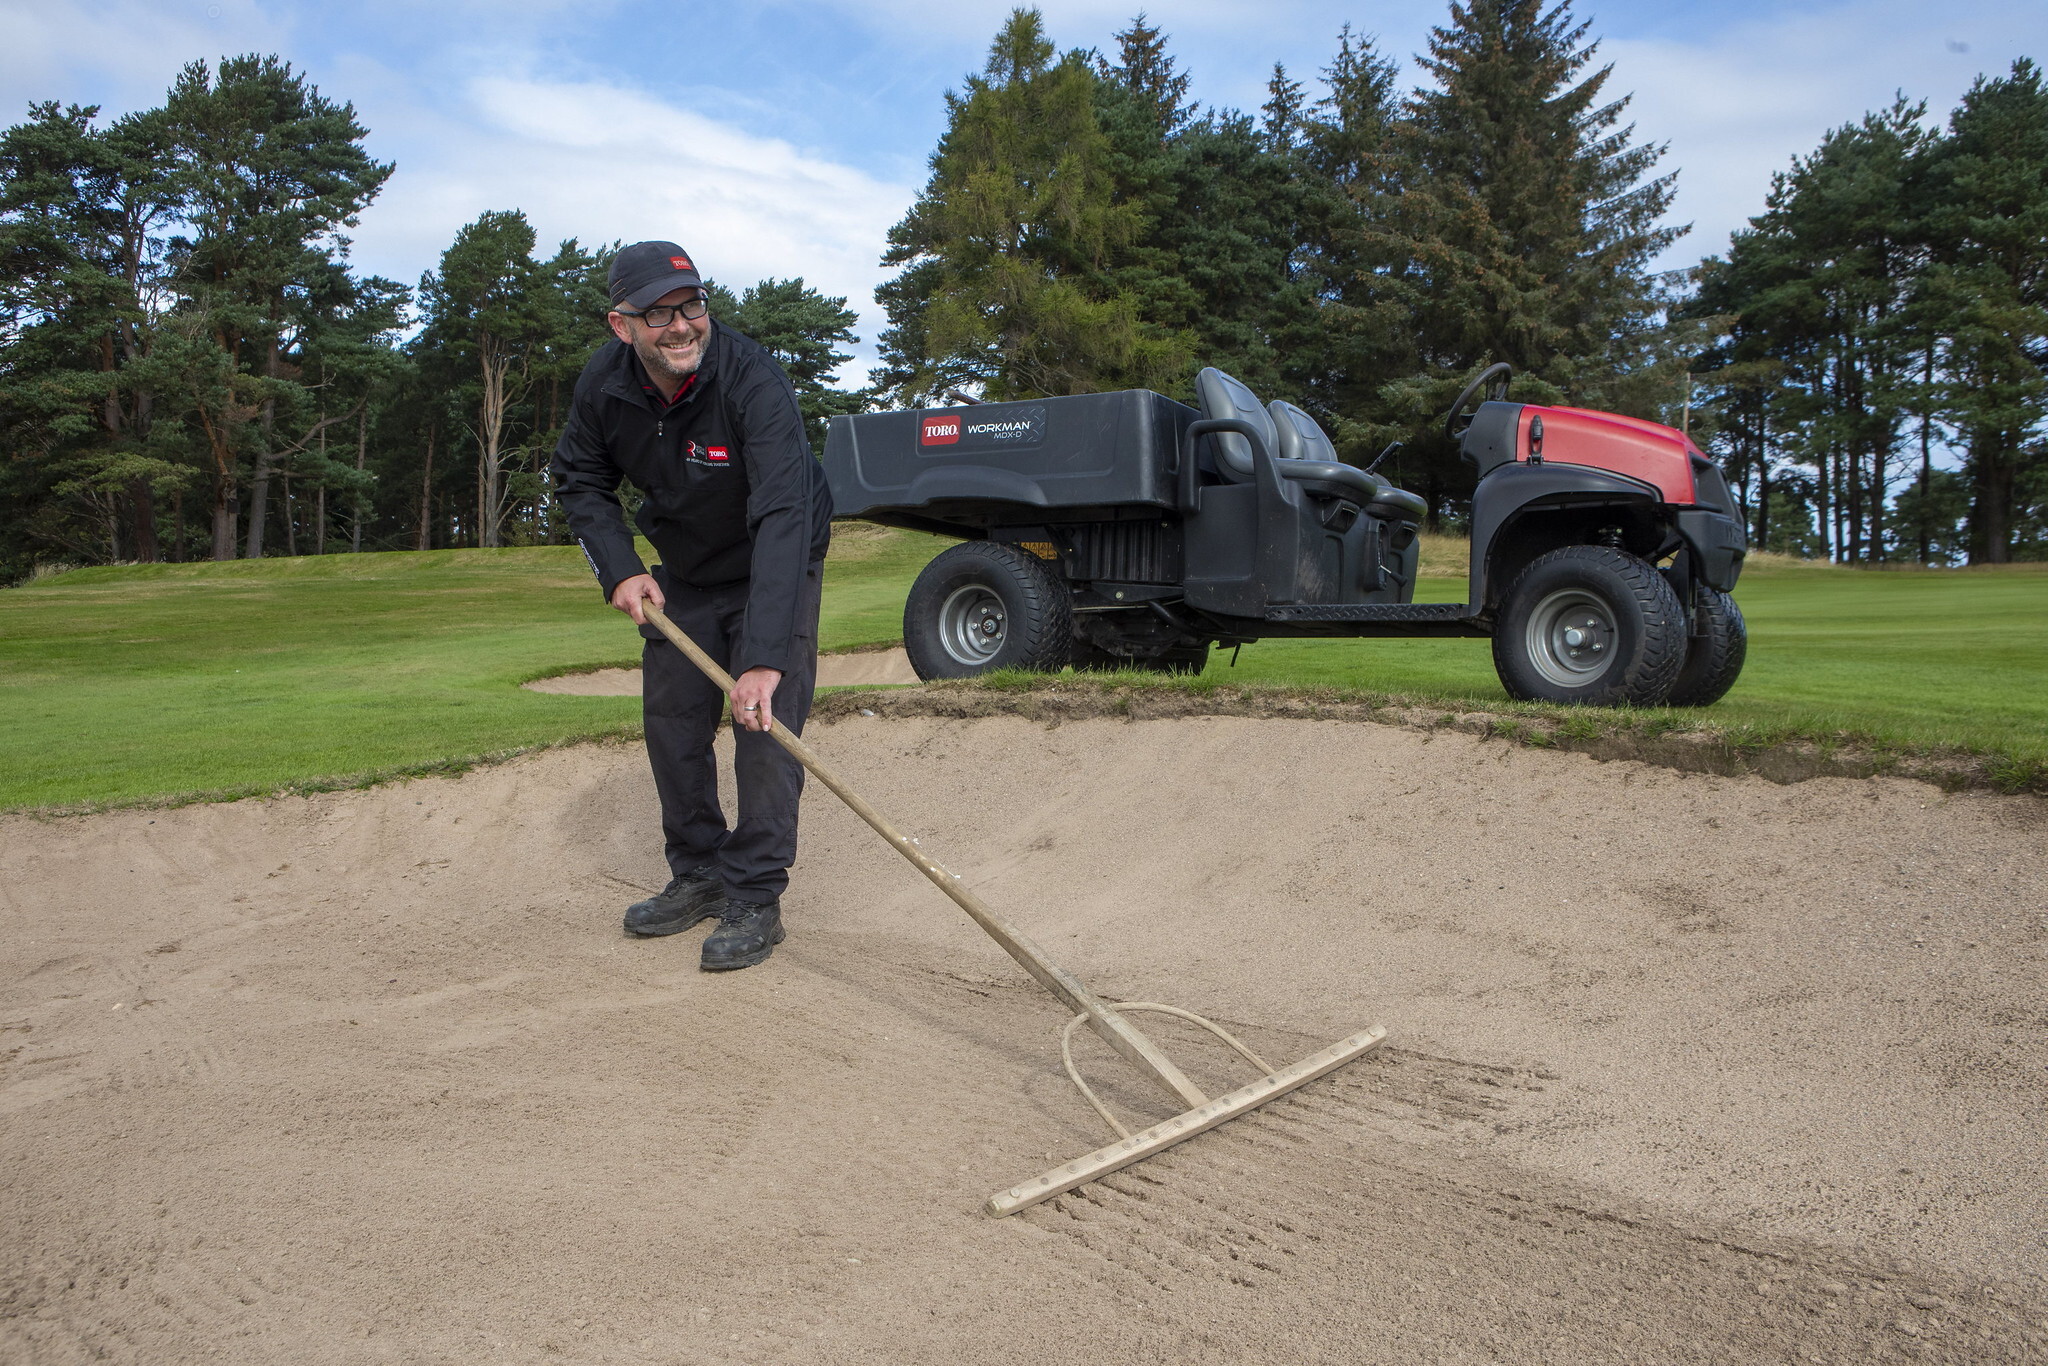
(1105,1019)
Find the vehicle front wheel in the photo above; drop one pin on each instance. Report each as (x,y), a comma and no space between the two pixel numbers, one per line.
(1591,626)
(1713,658)
(984,605)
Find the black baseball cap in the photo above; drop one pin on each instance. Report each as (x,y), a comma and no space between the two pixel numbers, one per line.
(645,271)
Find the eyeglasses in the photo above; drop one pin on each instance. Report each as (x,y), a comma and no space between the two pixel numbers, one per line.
(658,318)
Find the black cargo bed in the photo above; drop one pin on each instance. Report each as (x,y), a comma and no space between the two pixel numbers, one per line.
(969,467)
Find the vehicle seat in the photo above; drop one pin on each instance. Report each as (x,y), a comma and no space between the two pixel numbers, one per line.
(1308,454)
(1222,395)
(1301,453)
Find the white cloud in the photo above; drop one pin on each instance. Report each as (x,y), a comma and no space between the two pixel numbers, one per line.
(597,162)
(121,53)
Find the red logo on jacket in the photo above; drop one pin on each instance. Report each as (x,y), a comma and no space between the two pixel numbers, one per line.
(718,454)
(942,430)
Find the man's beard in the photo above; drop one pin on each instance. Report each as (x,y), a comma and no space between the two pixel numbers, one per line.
(663,364)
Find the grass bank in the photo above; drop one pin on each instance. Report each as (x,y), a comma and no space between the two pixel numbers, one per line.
(167,681)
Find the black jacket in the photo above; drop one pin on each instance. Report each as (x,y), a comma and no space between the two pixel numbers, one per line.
(733,492)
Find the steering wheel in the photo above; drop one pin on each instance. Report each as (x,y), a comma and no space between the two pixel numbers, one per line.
(1494,390)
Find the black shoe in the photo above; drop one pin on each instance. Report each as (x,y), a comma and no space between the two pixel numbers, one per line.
(686,900)
(747,933)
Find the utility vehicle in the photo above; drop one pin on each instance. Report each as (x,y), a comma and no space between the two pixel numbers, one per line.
(1127,530)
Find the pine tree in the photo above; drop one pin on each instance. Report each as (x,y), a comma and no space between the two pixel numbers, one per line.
(1523,216)
(804,330)
(483,309)
(269,173)
(1280,115)
(1819,293)
(1350,172)
(1988,220)
(82,216)
(1006,257)
(1215,262)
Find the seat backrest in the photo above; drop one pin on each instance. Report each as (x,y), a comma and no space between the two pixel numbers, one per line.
(1223,396)
(1301,436)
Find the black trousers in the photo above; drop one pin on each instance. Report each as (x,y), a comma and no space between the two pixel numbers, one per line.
(683,709)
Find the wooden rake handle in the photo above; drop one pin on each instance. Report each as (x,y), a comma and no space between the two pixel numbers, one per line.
(1103,1018)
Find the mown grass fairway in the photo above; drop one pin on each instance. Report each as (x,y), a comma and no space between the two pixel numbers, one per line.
(165,680)
(155,680)
(1907,658)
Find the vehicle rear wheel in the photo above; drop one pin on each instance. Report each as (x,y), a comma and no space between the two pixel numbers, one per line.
(1591,626)
(1713,658)
(984,605)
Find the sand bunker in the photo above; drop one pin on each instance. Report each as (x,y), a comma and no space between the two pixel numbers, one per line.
(1682,1069)
(834,671)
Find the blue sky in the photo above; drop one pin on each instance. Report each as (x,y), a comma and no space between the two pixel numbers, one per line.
(779,138)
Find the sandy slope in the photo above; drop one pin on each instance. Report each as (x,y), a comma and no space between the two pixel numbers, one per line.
(1682,1069)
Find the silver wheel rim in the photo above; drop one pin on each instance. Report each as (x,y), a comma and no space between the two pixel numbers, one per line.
(972,625)
(1570,637)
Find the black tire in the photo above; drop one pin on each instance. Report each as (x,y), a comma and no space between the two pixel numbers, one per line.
(1590,626)
(984,605)
(1714,657)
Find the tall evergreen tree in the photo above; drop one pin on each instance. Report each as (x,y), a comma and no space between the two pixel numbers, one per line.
(803,330)
(1151,75)
(1820,296)
(269,173)
(1987,189)
(1349,165)
(1527,217)
(1006,257)
(483,310)
(1221,210)
(82,217)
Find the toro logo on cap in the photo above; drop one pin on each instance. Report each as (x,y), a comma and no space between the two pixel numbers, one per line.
(942,430)
(681,263)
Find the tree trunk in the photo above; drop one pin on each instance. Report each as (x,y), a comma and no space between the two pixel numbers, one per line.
(143,529)
(426,535)
(490,482)
(1824,514)
(259,487)
(1763,474)
(1992,480)
(1926,459)
(355,534)
(224,525)
(320,491)
(291,539)
(259,502)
